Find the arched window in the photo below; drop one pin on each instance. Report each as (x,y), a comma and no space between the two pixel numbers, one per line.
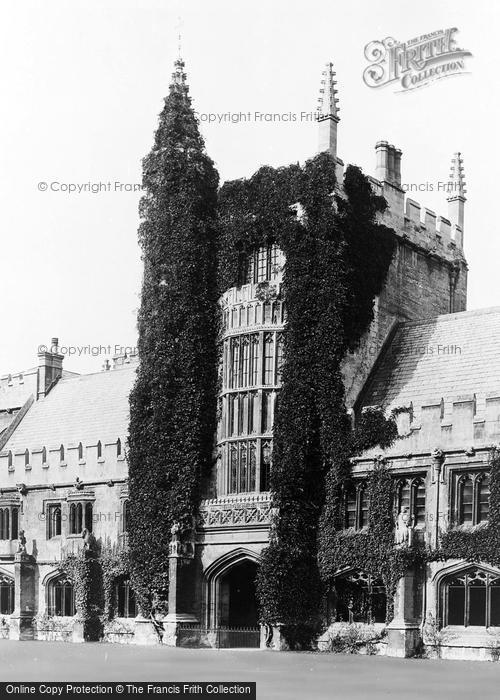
(61,453)
(88,516)
(99,450)
(61,597)
(410,494)
(125,604)
(75,518)
(125,525)
(80,451)
(26,457)
(360,598)
(5,523)
(14,517)
(472,498)
(6,595)
(44,455)
(471,599)
(118,448)
(54,520)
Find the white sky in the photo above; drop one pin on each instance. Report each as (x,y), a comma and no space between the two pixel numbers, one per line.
(82,85)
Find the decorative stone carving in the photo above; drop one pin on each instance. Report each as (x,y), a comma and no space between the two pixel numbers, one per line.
(21,546)
(404,527)
(221,512)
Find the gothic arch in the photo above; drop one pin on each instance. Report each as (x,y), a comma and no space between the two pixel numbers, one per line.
(213,575)
(460,566)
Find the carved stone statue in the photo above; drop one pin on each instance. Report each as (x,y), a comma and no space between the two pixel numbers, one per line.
(404,527)
(175,545)
(89,543)
(21,547)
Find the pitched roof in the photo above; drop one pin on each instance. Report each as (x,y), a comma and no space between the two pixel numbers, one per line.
(85,408)
(446,357)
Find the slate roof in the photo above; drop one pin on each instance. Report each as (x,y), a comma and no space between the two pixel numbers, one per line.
(450,356)
(85,408)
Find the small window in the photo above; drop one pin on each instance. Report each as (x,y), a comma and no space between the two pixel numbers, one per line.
(125,524)
(125,599)
(80,451)
(9,459)
(61,453)
(54,520)
(6,595)
(118,448)
(356,505)
(26,457)
(88,516)
(75,519)
(44,455)
(99,450)
(4,523)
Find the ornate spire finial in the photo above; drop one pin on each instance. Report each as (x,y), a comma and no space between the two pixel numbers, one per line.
(179,76)
(456,184)
(456,198)
(327,107)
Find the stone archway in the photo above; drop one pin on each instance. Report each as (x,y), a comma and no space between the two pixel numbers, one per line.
(238,599)
(231,590)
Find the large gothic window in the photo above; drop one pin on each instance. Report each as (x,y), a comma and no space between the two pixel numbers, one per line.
(472,504)
(61,597)
(80,517)
(471,599)
(359,597)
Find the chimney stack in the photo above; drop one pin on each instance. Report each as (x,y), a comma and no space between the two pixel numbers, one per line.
(49,367)
(388,165)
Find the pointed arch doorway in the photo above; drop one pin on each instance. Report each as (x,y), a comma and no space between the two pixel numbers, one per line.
(232,611)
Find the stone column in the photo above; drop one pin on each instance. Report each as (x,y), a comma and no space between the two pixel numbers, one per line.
(404,633)
(179,586)
(21,620)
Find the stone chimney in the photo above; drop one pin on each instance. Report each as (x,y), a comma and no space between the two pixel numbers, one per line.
(388,166)
(49,367)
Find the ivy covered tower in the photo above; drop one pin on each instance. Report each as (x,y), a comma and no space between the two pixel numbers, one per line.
(173,403)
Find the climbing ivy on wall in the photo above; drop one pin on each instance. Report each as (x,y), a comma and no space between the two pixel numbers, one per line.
(86,574)
(337,258)
(480,543)
(173,402)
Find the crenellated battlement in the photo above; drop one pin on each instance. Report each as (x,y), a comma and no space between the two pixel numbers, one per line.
(467,423)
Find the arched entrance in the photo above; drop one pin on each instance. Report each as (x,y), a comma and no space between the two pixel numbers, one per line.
(232,611)
(238,600)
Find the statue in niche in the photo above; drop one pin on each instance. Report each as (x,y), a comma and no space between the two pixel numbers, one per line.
(404,527)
